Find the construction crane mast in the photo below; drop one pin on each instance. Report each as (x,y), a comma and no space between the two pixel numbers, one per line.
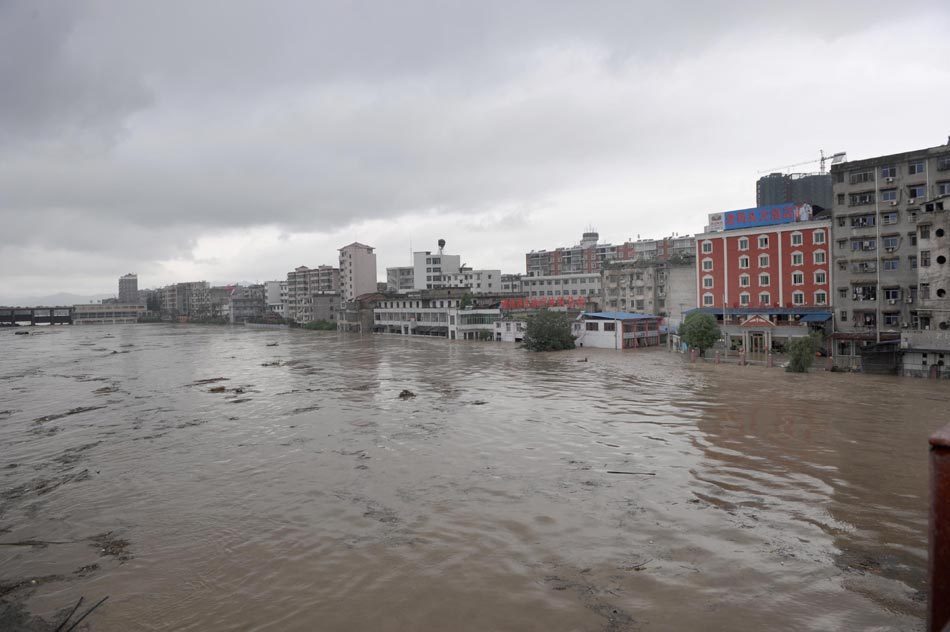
(834,158)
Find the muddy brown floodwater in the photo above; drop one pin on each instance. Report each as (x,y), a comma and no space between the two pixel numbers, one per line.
(301,492)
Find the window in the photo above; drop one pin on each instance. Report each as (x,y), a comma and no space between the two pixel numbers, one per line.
(923,290)
(763,241)
(892,318)
(818,237)
(841,199)
(863,221)
(890,242)
(892,294)
(913,238)
(707,264)
(707,247)
(744,243)
(890,265)
(797,239)
(915,167)
(764,298)
(744,281)
(707,299)
(819,256)
(889,171)
(821,298)
(610,326)
(821,277)
(798,278)
(860,199)
(924,258)
(798,298)
(763,261)
(917,191)
(912,260)
(925,232)
(843,316)
(743,262)
(707,282)
(889,218)
(858,177)
(842,292)
(839,177)
(744,298)
(890,195)
(798,259)
(842,243)
(764,280)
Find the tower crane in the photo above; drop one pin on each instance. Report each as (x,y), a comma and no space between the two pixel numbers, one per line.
(841,156)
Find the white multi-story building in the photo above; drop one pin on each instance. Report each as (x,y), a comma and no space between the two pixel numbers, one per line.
(587,285)
(275,293)
(357,271)
(432,271)
(400,279)
(444,317)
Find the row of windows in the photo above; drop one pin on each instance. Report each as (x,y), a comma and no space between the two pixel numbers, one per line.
(572,281)
(861,198)
(798,259)
(581,291)
(887,171)
(418,304)
(798,298)
(765,279)
(817,237)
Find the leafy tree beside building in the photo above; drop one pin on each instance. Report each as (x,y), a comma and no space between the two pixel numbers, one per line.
(548,331)
(801,353)
(700,331)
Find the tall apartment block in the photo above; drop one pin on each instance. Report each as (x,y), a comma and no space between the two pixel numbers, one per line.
(357,271)
(303,284)
(661,288)
(886,216)
(129,289)
(798,188)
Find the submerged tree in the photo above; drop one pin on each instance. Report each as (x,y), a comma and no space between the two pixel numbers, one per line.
(801,353)
(548,331)
(700,331)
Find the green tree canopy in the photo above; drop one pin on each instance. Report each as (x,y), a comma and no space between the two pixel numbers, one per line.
(548,331)
(801,353)
(700,331)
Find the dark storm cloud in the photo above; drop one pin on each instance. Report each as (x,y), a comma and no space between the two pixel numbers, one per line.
(130,129)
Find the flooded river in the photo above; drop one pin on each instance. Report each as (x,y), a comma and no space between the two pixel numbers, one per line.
(308,496)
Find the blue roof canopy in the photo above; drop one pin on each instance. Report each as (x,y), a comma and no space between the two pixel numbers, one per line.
(816,318)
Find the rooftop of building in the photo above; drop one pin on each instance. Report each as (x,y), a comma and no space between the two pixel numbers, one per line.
(357,244)
(929,152)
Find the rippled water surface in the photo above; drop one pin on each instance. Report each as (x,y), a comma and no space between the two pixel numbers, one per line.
(309,496)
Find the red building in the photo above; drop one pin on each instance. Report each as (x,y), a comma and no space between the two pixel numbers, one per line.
(766,276)
(765,267)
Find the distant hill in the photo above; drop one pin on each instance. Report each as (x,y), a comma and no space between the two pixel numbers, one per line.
(62,298)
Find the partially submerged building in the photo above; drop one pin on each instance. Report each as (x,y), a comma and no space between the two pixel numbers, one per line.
(616,330)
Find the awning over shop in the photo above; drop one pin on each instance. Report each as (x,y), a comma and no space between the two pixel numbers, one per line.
(820,317)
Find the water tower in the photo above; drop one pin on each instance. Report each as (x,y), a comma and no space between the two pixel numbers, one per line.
(441,245)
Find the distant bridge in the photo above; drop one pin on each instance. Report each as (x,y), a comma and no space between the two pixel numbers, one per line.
(16,316)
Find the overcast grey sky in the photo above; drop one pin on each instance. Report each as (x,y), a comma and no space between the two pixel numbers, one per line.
(231,141)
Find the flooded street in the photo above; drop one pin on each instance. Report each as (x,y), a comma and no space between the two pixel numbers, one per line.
(307,495)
